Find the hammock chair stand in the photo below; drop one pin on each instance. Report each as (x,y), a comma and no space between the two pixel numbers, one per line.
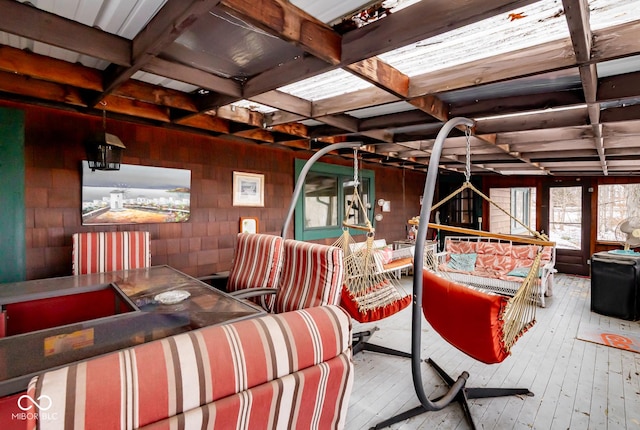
(360,340)
(457,391)
(361,343)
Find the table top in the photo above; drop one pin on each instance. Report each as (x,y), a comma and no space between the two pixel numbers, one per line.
(149,304)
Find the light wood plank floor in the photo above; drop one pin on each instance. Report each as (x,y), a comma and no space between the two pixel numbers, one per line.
(576,384)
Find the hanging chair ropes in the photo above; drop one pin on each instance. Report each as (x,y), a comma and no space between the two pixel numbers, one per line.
(516,314)
(369,295)
(469,318)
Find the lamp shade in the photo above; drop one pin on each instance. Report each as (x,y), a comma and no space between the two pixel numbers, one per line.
(104,151)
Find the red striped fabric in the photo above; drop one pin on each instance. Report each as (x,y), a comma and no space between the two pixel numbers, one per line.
(313,398)
(278,371)
(256,263)
(312,275)
(107,251)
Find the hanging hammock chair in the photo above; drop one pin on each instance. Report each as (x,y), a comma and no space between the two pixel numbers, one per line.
(482,324)
(368,295)
(487,323)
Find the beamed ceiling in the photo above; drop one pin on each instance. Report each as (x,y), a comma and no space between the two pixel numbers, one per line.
(260,72)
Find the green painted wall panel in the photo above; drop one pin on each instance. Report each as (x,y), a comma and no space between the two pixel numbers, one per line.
(12,206)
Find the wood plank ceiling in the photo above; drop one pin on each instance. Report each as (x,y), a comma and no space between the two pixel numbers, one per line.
(566,106)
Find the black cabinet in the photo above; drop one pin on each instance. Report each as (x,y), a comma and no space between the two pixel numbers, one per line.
(615,285)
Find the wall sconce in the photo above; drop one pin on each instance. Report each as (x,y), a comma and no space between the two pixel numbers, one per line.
(385,205)
(104,150)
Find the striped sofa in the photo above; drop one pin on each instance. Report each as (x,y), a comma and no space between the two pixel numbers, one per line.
(97,252)
(287,371)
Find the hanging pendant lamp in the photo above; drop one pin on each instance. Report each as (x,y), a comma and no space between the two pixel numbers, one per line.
(104,150)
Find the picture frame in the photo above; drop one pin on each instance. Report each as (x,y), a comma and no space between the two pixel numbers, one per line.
(248,224)
(248,189)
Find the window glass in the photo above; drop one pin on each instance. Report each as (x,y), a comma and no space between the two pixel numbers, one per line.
(320,200)
(565,217)
(616,203)
(327,195)
(519,202)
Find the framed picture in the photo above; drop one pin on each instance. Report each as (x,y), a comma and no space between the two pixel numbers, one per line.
(135,194)
(248,224)
(248,189)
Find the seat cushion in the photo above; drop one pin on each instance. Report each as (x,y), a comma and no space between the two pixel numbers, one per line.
(256,263)
(312,275)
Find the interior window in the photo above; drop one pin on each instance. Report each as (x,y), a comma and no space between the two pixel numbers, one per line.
(616,203)
(519,202)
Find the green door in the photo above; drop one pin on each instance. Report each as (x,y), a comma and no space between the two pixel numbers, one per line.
(12,210)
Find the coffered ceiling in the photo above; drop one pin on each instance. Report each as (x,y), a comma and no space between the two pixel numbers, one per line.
(553,86)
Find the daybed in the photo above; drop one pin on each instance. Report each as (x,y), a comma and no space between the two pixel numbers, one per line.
(496,265)
(291,370)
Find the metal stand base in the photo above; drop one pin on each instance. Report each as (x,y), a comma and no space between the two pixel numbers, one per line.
(360,343)
(462,397)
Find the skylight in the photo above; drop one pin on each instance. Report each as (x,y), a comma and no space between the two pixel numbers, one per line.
(607,13)
(334,83)
(257,107)
(521,28)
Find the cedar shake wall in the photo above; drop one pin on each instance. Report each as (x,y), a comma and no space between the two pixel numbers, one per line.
(203,245)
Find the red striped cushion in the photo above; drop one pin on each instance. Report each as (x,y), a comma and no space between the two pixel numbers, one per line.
(312,275)
(314,398)
(107,251)
(256,263)
(158,380)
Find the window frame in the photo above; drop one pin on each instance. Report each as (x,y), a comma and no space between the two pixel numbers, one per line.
(341,173)
(517,228)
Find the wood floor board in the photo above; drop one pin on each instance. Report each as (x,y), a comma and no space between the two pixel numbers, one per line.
(577,384)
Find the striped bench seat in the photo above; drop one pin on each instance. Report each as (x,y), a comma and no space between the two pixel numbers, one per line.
(291,370)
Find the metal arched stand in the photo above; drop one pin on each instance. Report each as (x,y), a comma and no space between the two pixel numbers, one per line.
(457,388)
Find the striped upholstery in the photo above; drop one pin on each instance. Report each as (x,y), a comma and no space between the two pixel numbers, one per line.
(291,370)
(312,275)
(256,263)
(107,251)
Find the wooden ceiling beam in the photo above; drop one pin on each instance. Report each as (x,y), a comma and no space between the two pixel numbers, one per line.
(240,114)
(619,87)
(286,21)
(353,101)
(26,63)
(25,86)
(27,21)
(537,120)
(284,102)
(256,134)
(514,104)
(577,15)
(199,78)
(206,122)
(382,75)
(344,122)
(135,108)
(156,95)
